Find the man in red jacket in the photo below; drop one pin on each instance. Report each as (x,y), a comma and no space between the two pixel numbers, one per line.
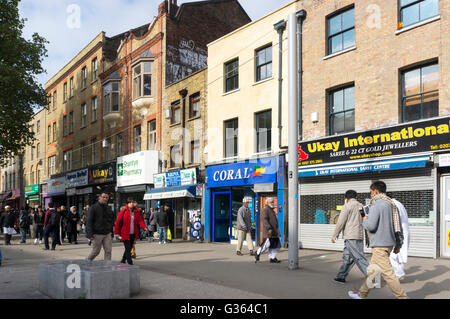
(127,228)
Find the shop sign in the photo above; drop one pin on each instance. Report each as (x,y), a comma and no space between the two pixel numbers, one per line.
(421,137)
(260,171)
(102,173)
(137,168)
(185,177)
(31,190)
(56,185)
(76,179)
(444,160)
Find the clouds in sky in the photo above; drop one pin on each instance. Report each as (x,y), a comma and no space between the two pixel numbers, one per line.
(54,20)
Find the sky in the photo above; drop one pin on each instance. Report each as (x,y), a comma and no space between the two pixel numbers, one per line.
(69,25)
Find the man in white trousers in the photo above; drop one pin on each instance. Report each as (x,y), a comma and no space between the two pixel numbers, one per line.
(271,232)
(399,260)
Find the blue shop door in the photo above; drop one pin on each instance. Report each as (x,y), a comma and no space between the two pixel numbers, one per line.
(221,213)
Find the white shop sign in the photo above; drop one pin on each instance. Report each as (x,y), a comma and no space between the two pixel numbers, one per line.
(137,168)
(56,185)
(444,160)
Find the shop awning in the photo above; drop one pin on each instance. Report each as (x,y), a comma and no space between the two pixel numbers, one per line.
(4,196)
(369,166)
(170,192)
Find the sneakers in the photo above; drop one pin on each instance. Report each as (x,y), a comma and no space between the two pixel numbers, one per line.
(339,280)
(40,242)
(160,243)
(35,241)
(165,243)
(354,294)
(274,261)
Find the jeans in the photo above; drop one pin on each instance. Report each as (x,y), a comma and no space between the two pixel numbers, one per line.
(23,233)
(162,231)
(39,232)
(51,231)
(127,253)
(353,254)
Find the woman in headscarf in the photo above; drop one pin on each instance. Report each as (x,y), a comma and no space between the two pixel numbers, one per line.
(73,217)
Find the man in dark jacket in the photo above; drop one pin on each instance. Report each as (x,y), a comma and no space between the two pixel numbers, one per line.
(99,225)
(271,232)
(51,226)
(162,220)
(24,224)
(171,217)
(7,221)
(72,221)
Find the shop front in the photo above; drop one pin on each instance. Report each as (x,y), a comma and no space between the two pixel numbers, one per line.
(228,184)
(443,178)
(32,195)
(135,176)
(102,179)
(77,189)
(56,191)
(180,190)
(13,199)
(403,156)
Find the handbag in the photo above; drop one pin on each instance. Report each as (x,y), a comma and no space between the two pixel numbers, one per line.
(78,227)
(169,234)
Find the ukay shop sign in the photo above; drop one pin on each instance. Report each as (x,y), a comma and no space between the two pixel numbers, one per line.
(413,138)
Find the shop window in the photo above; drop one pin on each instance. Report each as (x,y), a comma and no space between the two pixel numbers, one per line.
(231,75)
(263,60)
(263,126)
(415,11)
(420,93)
(231,138)
(341,31)
(342,110)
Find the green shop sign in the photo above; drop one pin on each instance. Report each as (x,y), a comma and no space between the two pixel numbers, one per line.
(31,190)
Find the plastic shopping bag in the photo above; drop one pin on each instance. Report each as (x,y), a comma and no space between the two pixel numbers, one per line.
(169,234)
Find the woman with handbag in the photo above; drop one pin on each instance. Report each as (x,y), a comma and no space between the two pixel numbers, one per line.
(127,228)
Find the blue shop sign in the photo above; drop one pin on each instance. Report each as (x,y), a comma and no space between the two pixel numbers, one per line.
(251,172)
(173,179)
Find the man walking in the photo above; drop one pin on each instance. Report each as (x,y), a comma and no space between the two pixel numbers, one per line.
(399,260)
(99,225)
(271,233)
(350,223)
(7,221)
(51,227)
(162,220)
(244,223)
(24,224)
(383,225)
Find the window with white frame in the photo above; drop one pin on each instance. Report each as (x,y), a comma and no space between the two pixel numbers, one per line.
(94,69)
(67,160)
(142,80)
(151,126)
(51,165)
(111,97)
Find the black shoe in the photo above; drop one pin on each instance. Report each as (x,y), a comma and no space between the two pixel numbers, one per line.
(238,253)
(123,261)
(90,242)
(45,248)
(256,257)
(339,280)
(53,248)
(274,261)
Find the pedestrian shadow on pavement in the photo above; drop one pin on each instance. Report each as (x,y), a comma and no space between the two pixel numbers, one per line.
(425,275)
(430,289)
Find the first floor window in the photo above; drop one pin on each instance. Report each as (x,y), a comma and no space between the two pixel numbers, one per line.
(67,160)
(341,31)
(108,149)
(342,110)
(137,138)
(231,138)
(175,156)
(119,145)
(51,165)
(151,135)
(195,152)
(263,121)
(420,93)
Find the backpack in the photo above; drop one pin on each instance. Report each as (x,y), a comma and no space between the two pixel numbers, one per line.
(53,218)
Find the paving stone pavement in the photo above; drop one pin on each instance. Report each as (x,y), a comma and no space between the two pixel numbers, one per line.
(193,270)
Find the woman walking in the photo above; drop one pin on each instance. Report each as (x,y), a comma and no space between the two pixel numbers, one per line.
(127,228)
(39,218)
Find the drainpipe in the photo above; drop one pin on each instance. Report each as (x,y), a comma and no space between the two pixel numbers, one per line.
(280,27)
(301,15)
